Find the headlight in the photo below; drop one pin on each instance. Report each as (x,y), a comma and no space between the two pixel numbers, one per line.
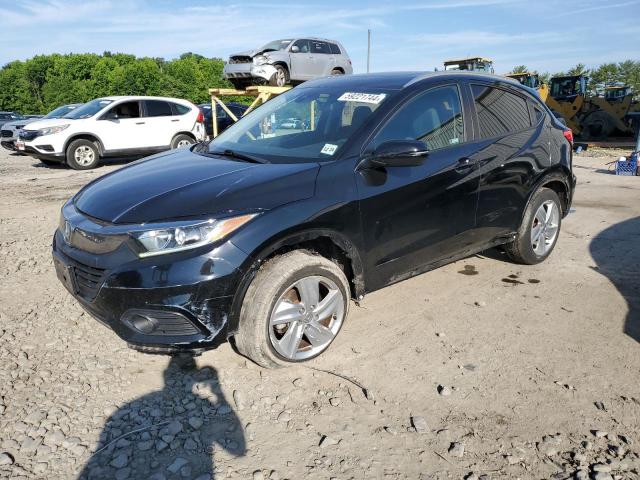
(52,130)
(186,237)
(260,60)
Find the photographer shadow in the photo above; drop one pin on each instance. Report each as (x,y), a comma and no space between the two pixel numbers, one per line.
(170,433)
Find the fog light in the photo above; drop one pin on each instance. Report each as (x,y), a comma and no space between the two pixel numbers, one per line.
(159,322)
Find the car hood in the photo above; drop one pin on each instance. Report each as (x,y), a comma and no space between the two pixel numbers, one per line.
(49,122)
(14,123)
(182,185)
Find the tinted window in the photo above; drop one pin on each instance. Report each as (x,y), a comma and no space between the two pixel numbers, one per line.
(433,117)
(158,108)
(537,113)
(319,47)
(499,112)
(334,49)
(303,45)
(124,110)
(182,109)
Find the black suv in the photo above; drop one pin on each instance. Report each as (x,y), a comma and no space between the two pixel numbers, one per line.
(264,234)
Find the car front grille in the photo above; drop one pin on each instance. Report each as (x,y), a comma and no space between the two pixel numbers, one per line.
(240,59)
(6,134)
(88,280)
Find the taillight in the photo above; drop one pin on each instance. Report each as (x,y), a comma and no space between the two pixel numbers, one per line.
(200,118)
(568,134)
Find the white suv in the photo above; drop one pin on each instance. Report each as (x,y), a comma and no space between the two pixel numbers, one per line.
(113,127)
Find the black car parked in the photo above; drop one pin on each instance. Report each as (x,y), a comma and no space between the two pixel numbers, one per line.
(264,237)
(224,120)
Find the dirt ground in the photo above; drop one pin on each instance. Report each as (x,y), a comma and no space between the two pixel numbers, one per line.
(480,369)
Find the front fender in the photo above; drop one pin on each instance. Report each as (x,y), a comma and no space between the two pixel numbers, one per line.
(263,71)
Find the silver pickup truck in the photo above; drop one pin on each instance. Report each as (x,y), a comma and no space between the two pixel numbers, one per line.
(291,60)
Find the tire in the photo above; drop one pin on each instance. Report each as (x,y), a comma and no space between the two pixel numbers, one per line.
(525,248)
(273,289)
(337,71)
(280,78)
(182,141)
(599,125)
(82,155)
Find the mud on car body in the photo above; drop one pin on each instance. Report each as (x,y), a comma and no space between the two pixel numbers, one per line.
(264,235)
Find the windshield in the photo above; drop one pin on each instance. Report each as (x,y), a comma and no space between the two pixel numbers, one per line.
(60,111)
(306,124)
(88,109)
(275,45)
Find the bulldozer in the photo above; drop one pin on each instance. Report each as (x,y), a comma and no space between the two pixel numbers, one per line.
(590,116)
(564,96)
(471,64)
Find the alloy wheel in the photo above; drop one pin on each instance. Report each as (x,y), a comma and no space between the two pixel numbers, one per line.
(306,318)
(84,155)
(544,228)
(184,143)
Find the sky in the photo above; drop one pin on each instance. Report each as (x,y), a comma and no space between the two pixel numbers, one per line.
(545,35)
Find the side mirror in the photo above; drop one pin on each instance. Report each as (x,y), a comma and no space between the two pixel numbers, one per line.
(396,153)
(295,49)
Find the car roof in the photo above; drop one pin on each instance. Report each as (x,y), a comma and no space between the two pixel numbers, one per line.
(141,97)
(400,80)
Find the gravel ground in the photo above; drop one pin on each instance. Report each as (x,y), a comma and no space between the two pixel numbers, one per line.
(481,369)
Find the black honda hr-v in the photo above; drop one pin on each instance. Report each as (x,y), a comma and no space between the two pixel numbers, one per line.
(265,234)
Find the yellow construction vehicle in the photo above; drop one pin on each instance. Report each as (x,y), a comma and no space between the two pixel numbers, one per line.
(531,80)
(472,64)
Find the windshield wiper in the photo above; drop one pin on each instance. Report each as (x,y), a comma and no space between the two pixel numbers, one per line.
(240,156)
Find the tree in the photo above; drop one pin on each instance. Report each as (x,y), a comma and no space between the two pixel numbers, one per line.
(520,69)
(579,69)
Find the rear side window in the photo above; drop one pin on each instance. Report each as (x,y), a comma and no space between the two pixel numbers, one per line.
(158,108)
(181,109)
(433,117)
(499,112)
(319,47)
(537,114)
(334,49)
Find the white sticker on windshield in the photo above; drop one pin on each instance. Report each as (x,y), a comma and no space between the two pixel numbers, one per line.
(329,149)
(374,98)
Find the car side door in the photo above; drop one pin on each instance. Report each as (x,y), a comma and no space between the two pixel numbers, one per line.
(161,123)
(321,56)
(512,150)
(122,126)
(301,60)
(415,217)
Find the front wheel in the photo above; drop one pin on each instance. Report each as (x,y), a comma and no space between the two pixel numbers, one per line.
(280,78)
(82,155)
(293,309)
(539,231)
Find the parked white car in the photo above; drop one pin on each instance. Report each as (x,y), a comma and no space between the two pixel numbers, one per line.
(113,127)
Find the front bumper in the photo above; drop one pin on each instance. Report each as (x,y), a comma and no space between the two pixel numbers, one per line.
(162,304)
(248,71)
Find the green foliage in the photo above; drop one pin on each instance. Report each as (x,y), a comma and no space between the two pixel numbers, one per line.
(44,82)
(520,69)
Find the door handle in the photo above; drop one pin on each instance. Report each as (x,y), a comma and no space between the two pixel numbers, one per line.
(175,120)
(140,123)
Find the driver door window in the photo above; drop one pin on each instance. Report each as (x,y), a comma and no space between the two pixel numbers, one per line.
(433,117)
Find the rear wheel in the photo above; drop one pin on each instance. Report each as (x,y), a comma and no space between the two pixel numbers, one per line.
(82,155)
(599,124)
(337,71)
(540,229)
(182,141)
(293,309)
